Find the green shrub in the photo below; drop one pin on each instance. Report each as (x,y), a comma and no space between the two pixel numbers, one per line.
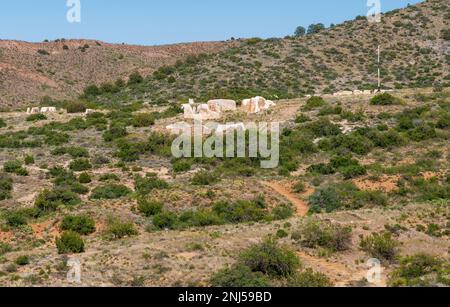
(84,178)
(353,171)
(299,187)
(309,279)
(422,132)
(4,248)
(16,218)
(150,208)
(325,199)
(181,166)
(109,177)
(2,123)
(282,212)
(116,131)
(326,235)
(240,212)
(22,260)
(29,160)
(380,246)
(79,165)
(322,169)
(204,178)
(81,224)
(6,187)
(165,220)
(420,270)
(145,185)
(118,229)
(198,218)
(385,99)
(323,128)
(143,120)
(76,107)
(36,117)
(270,259)
(49,201)
(15,167)
(110,191)
(70,243)
(239,276)
(314,103)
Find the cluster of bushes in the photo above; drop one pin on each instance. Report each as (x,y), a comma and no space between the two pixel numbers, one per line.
(81,224)
(36,117)
(344,196)
(314,103)
(268,264)
(80,165)
(346,165)
(15,167)
(145,185)
(19,217)
(143,120)
(115,131)
(380,246)
(6,186)
(70,242)
(385,99)
(316,234)
(421,270)
(118,228)
(66,180)
(222,213)
(110,191)
(205,178)
(49,200)
(76,107)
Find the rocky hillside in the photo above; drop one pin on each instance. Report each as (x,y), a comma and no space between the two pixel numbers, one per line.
(415,53)
(61,69)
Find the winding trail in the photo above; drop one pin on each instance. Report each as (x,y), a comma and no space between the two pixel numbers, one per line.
(301,205)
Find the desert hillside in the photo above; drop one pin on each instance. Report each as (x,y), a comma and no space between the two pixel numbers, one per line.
(415,53)
(61,69)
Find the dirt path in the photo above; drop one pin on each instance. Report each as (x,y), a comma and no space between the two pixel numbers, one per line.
(301,205)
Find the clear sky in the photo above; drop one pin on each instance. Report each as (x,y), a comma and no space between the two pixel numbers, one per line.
(150,22)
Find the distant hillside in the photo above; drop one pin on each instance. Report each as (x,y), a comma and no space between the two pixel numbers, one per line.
(415,53)
(61,69)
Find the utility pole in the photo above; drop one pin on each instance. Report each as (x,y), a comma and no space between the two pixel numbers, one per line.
(379,69)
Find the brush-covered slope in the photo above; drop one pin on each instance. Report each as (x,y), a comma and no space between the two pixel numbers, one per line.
(61,69)
(414,43)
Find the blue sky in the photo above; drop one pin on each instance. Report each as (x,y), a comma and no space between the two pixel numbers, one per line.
(151,22)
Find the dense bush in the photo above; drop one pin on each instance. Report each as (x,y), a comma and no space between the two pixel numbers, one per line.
(239,276)
(145,185)
(143,120)
(331,236)
(240,212)
(49,201)
(309,279)
(22,260)
(270,259)
(115,131)
(76,107)
(29,160)
(314,103)
(149,208)
(36,117)
(2,123)
(380,246)
(325,199)
(181,166)
(15,167)
(6,187)
(110,191)
(70,242)
(80,165)
(385,99)
(323,128)
(204,178)
(84,178)
(420,270)
(165,220)
(82,224)
(5,248)
(118,229)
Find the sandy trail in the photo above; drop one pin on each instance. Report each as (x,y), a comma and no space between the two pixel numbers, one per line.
(301,205)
